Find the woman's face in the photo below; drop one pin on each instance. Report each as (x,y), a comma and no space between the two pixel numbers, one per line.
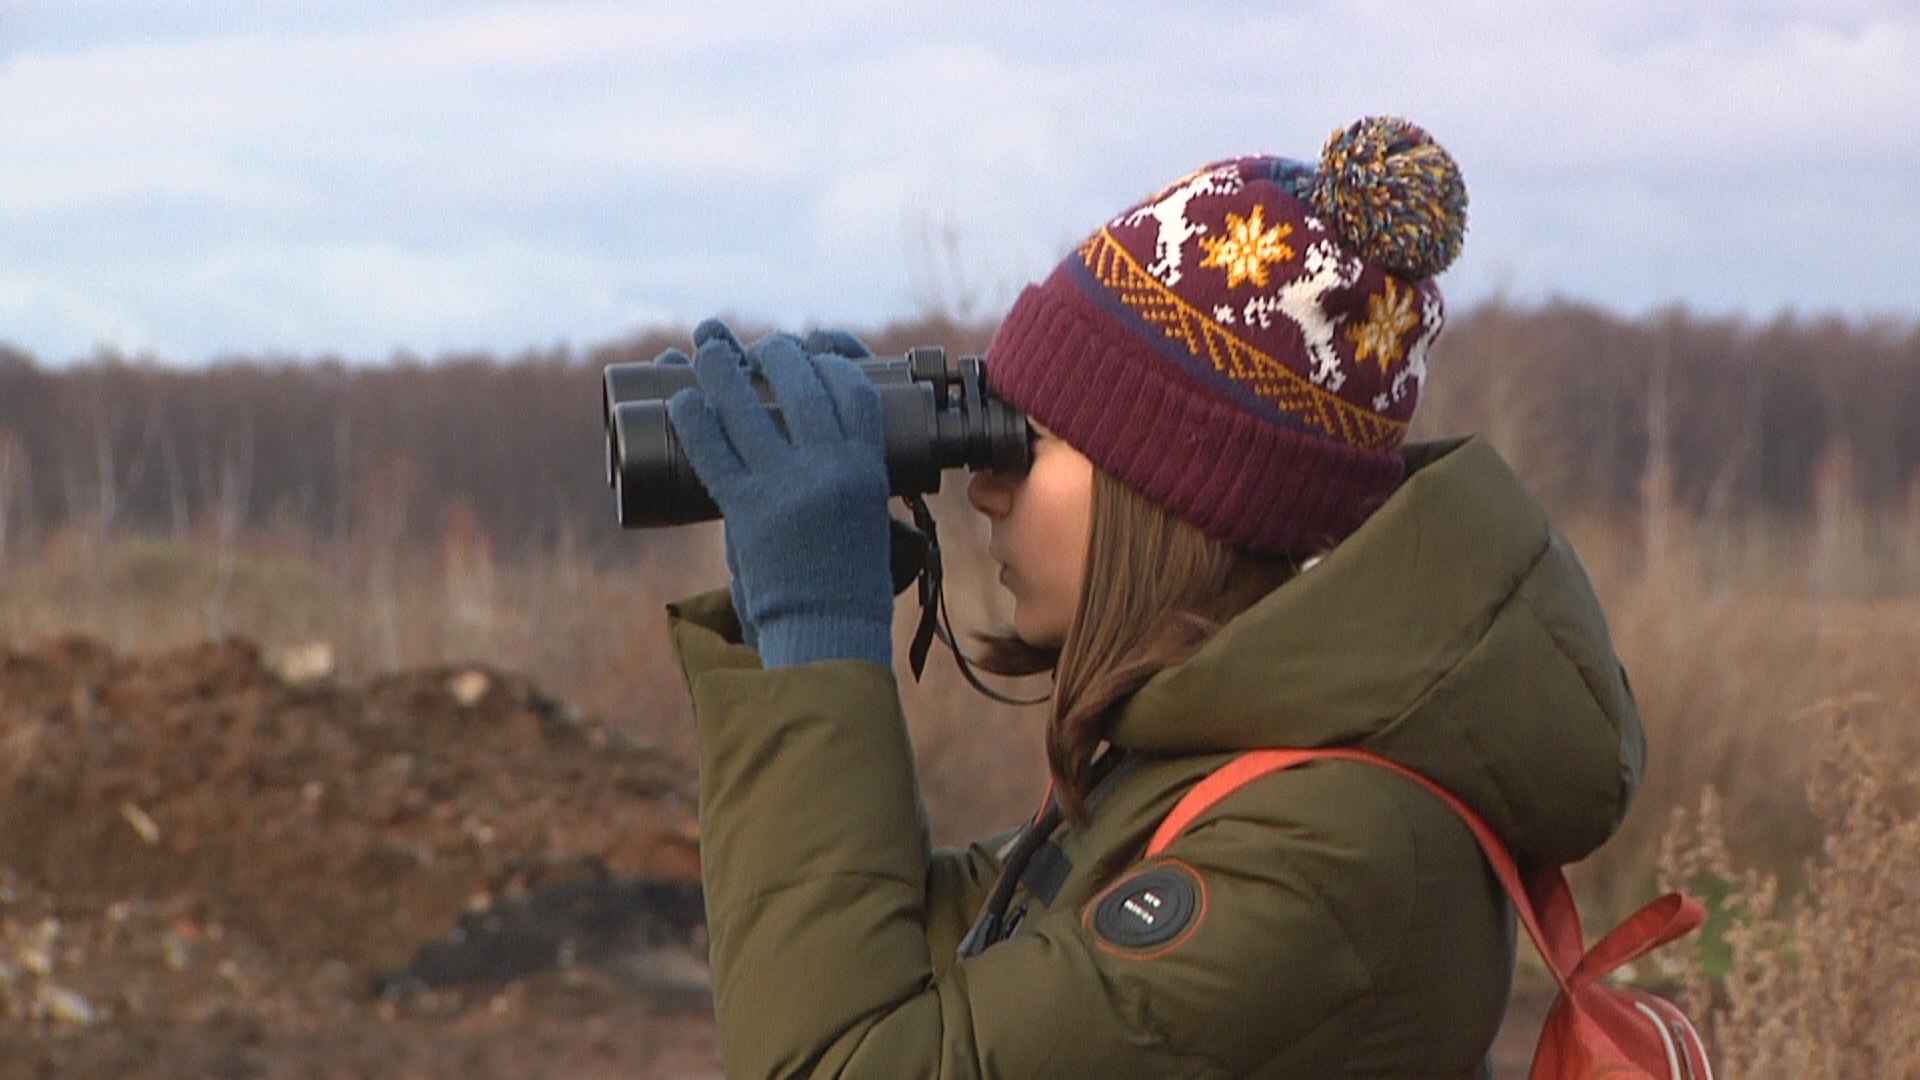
(1040,525)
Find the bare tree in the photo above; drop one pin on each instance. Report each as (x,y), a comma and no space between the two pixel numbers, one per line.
(233,490)
(14,483)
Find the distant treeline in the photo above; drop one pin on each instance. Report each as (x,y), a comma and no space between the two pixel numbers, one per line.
(1741,418)
(1744,417)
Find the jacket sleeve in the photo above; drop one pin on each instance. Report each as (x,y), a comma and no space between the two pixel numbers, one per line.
(820,917)
(958,881)
(707,636)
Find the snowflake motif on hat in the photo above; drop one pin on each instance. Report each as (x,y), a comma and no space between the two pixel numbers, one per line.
(1248,249)
(1389,316)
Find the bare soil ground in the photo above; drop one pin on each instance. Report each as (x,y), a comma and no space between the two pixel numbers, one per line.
(209,871)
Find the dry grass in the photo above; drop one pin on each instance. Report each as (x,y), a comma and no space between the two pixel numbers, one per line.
(1778,671)
(1826,985)
(1734,674)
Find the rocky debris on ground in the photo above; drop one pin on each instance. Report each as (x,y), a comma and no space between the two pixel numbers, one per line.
(556,919)
(208,869)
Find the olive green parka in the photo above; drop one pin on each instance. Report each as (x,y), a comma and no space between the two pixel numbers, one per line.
(1342,921)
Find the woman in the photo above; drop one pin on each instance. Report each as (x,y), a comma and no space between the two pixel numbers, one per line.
(1220,545)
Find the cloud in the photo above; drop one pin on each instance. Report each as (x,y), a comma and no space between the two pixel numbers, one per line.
(356,176)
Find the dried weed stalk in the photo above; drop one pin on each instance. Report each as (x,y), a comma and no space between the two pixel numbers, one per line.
(1827,985)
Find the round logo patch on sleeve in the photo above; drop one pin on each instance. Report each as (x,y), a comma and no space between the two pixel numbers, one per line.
(1148,909)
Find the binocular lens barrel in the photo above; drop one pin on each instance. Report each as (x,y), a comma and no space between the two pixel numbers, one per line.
(936,416)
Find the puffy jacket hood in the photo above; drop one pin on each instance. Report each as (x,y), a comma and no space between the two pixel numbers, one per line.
(1453,632)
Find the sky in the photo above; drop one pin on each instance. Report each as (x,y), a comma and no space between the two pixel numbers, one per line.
(361,178)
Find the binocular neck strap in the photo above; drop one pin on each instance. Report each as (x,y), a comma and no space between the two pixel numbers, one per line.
(935,620)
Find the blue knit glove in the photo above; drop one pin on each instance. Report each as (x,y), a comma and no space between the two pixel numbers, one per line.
(806,511)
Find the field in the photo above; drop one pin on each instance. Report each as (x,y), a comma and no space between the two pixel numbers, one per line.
(1747,686)
(258,757)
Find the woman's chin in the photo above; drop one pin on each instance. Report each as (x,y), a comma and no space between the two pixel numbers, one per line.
(1038,633)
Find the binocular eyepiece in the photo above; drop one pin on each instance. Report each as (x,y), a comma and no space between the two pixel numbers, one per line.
(936,415)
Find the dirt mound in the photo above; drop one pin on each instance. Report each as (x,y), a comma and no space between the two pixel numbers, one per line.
(208,869)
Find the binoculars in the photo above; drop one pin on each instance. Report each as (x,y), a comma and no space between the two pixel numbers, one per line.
(937,416)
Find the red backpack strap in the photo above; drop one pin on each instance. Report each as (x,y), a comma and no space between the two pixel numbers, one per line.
(1222,782)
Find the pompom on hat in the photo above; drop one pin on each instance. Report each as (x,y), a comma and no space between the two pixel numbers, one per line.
(1246,347)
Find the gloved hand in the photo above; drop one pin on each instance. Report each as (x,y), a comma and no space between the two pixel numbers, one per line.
(806,511)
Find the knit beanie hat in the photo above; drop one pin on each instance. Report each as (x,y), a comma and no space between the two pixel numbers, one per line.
(1246,347)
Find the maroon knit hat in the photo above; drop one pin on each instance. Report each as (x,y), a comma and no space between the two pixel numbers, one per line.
(1246,347)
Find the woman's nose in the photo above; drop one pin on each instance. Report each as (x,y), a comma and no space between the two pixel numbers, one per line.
(990,493)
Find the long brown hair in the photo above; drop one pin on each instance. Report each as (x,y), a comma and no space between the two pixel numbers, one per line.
(1156,589)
